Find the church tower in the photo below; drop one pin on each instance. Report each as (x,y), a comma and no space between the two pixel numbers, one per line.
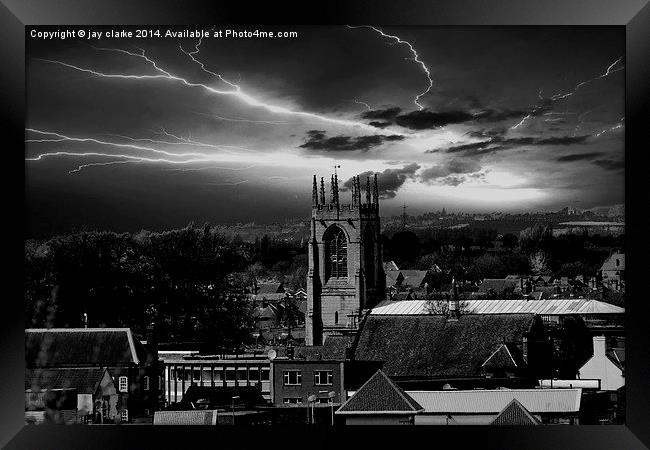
(346,273)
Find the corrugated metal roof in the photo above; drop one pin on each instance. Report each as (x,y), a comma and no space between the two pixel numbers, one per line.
(493,401)
(544,306)
(199,417)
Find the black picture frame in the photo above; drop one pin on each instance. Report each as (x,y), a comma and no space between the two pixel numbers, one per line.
(634,15)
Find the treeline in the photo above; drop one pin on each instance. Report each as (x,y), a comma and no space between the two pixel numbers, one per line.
(191,283)
(465,253)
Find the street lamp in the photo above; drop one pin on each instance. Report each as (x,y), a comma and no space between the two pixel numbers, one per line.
(331,395)
(233,398)
(312,399)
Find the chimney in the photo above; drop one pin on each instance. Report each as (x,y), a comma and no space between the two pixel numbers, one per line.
(599,346)
(152,341)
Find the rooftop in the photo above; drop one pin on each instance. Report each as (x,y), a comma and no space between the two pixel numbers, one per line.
(380,395)
(444,348)
(60,347)
(543,306)
(493,401)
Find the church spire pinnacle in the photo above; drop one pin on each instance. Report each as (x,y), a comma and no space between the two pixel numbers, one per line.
(314,193)
(322,190)
(375,192)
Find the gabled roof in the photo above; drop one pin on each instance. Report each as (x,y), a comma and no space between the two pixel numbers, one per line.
(515,414)
(61,347)
(610,263)
(393,277)
(506,356)
(380,395)
(85,380)
(559,306)
(430,345)
(269,288)
(413,278)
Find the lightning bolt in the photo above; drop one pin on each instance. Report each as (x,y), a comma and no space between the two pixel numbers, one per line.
(563,95)
(239,119)
(367,106)
(237,92)
(416,58)
(609,130)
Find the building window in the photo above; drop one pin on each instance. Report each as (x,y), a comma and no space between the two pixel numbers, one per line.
(336,317)
(254,374)
(265,373)
(291,400)
(323,377)
(292,377)
(125,415)
(146,383)
(230,374)
(242,374)
(123,384)
(336,251)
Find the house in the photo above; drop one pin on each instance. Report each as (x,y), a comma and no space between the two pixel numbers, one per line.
(380,402)
(97,395)
(325,371)
(498,287)
(605,365)
(613,272)
(484,406)
(134,367)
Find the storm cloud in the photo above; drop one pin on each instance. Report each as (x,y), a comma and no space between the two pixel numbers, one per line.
(389,181)
(318,140)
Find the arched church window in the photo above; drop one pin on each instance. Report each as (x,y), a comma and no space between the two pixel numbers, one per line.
(336,248)
(336,317)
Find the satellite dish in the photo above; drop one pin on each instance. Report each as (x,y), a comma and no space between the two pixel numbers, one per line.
(311,398)
(272,354)
(331,394)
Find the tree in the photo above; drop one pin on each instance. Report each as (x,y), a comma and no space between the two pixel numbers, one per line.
(486,266)
(435,305)
(538,263)
(510,240)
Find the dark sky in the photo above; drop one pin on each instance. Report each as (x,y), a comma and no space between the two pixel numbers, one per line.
(156,133)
